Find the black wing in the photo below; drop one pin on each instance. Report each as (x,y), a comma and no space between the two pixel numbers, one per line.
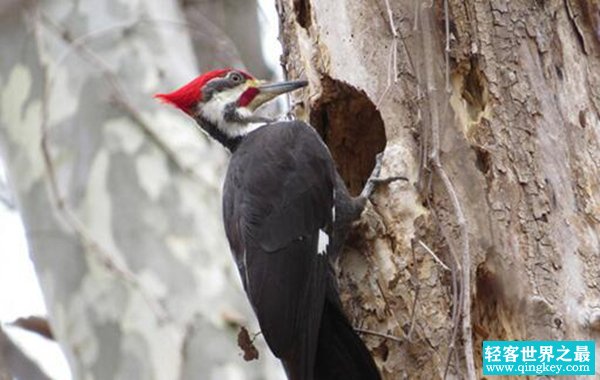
(278,195)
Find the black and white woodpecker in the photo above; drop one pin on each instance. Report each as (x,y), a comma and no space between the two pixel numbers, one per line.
(286,212)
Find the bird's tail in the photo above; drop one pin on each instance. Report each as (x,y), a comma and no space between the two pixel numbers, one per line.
(341,354)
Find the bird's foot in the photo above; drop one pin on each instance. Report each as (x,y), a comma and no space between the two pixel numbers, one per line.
(374,180)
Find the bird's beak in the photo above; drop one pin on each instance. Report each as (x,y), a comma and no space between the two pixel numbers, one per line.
(268,91)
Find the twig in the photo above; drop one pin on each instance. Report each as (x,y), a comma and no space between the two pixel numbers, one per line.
(385,300)
(394,31)
(381,335)
(392,73)
(453,197)
(447,49)
(415,276)
(456,294)
(455,323)
(256,335)
(389,80)
(101,254)
(416,16)
(437,259)
(120,97)
(466,270)
(80,41)
(128,25)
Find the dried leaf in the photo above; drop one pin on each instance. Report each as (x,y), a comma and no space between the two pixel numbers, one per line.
(247,345)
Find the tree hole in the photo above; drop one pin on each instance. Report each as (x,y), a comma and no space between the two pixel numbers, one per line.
(352,128)
(496,307)
(475,90)
(483,160)
(302,10)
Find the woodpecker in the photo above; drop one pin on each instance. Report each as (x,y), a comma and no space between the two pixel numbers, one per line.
(286,213)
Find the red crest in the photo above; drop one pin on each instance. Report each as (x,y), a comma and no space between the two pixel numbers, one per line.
(187,96)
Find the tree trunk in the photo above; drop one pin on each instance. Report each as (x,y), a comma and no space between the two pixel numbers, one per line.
(15,364)
(491,108)
(120,197)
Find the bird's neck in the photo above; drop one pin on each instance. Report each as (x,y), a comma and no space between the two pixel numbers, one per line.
(229,142)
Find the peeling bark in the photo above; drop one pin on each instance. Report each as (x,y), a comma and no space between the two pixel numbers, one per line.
(500,136)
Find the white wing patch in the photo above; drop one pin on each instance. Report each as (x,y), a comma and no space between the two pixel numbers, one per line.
(323,242)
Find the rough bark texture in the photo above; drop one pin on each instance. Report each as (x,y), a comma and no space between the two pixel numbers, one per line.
(501,140)
(119,195)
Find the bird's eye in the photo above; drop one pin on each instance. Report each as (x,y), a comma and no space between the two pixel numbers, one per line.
(236,77)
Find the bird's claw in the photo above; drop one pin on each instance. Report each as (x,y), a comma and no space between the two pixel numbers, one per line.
(374,180)
(386,180)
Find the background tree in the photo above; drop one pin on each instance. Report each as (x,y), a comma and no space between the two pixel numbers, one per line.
(492,109)
(120,197)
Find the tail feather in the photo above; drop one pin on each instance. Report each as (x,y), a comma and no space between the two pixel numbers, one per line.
(341,354)
(299,360)
(328,348)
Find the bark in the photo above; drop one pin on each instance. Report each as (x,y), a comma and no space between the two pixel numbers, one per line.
(492,109)
(15,364)
(120,195)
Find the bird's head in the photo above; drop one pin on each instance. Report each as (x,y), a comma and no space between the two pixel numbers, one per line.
(226,100)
